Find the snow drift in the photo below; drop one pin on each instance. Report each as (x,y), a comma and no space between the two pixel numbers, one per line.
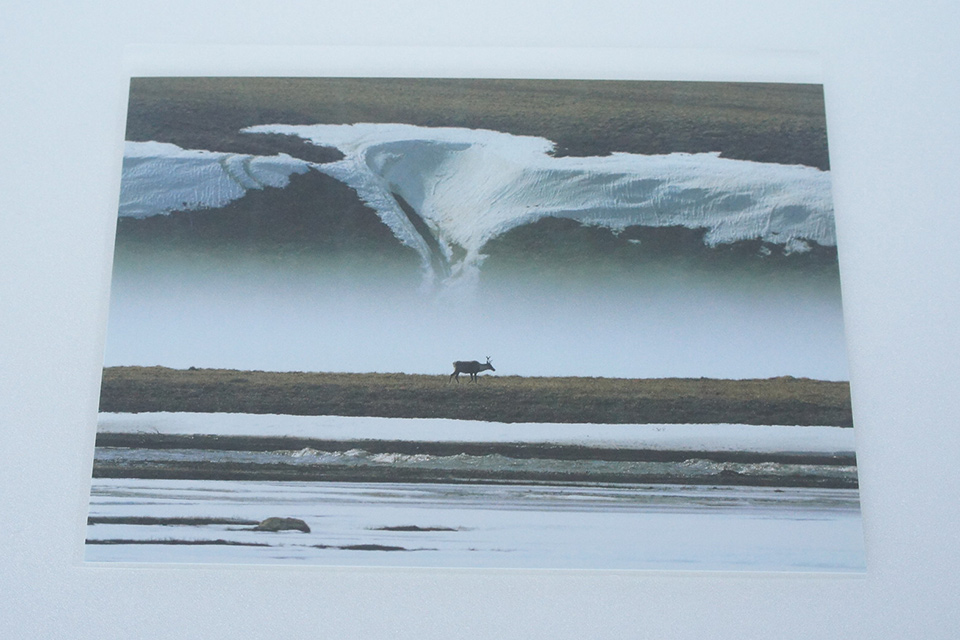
(446,192)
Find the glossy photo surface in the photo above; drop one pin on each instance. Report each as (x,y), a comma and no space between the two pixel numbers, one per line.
(476,323)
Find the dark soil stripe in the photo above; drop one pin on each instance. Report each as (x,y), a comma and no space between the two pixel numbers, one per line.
(229,543)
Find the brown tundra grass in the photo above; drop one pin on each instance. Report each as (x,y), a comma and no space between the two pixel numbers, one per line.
(784,400)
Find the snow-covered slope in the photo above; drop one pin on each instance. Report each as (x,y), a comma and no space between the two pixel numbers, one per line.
(159,177)
(467,186)
(475,184)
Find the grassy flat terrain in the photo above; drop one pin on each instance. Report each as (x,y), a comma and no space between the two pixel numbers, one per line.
(764,122)
(785,400)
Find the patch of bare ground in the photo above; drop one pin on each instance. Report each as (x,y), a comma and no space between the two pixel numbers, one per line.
(367,547)
(766,122)
(229,543)
(175,521)
(414,528)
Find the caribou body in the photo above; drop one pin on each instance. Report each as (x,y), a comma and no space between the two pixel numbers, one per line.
(472,367)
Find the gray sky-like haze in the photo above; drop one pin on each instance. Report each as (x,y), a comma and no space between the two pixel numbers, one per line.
(181,311)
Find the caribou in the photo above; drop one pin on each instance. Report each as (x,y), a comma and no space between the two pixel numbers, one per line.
(472,367)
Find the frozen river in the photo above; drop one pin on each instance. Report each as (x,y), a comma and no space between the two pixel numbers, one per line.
(495,526)
(189,488)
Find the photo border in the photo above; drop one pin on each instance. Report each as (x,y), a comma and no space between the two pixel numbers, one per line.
(566,63)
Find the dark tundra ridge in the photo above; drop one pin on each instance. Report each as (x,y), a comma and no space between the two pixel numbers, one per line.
(784,400)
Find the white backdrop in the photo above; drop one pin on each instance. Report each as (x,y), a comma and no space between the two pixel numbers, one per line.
(892,91)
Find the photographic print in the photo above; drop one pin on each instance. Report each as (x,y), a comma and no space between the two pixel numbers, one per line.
(476,323)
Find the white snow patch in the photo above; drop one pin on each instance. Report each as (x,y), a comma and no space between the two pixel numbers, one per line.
(160,177)
(471,185)
(674,437)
